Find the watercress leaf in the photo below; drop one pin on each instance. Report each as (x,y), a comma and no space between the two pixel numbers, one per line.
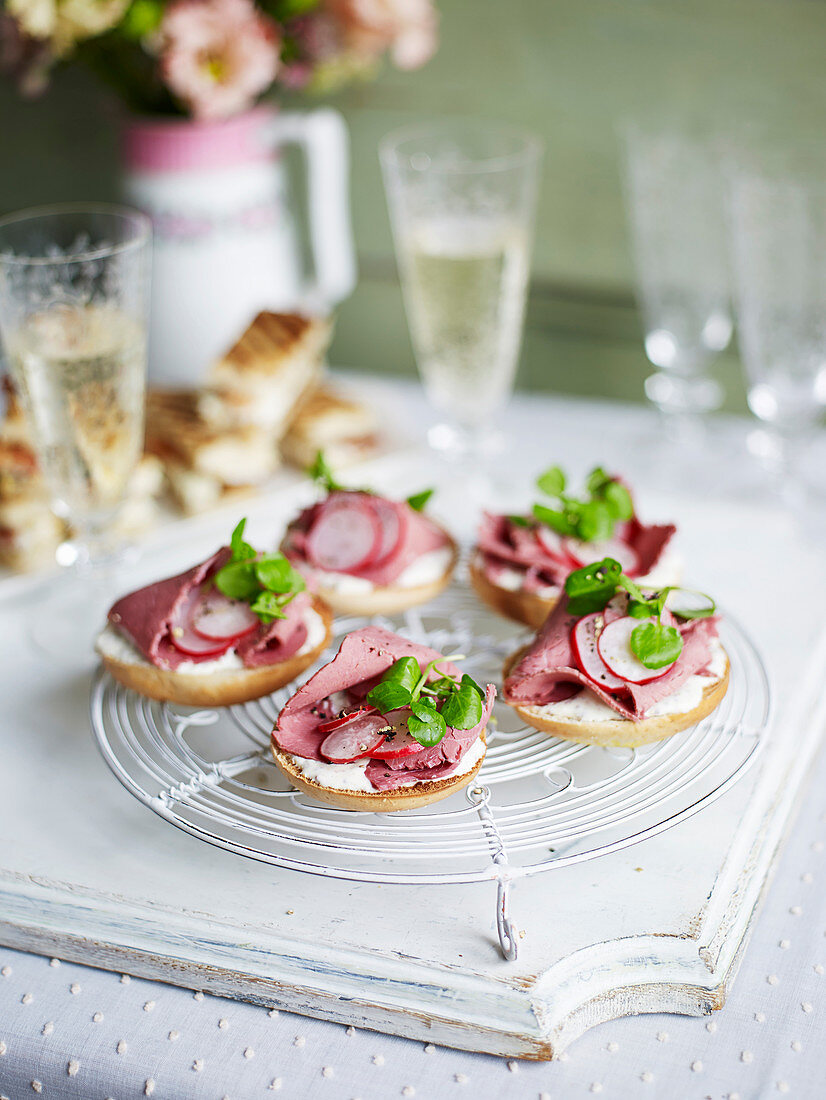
(238,580)
(640,609)
(405,671)
(595,522)
(466,679)
(632,588)
(389,696)
(596,480)
(321,472)
(463,708)
(557,521)
(656,645)
(552,481)
(277,574)
(519,521)
(425,723)
(267,606)
(618,499)
(591,587)
(241,551)
(418,500)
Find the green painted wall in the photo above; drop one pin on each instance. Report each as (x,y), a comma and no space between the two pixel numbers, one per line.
(568,69)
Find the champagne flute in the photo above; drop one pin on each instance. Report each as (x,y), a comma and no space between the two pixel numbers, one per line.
(462,197)
(73,317)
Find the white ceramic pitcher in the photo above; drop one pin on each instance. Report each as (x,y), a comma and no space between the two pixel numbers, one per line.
(225,238)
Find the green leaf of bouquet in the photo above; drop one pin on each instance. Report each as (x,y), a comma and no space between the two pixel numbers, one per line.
(656,645)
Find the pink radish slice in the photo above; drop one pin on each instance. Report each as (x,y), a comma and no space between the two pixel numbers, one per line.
(346,536)
(584,643)
(218,618)
(393,525)
(614,647)
(400,742)
(184,637)
(553,544)
(354,739)
(583,553)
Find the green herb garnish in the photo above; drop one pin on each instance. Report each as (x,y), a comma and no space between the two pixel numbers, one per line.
(322,474)
(654,643)
(434,704)
(267,582)
(591,519)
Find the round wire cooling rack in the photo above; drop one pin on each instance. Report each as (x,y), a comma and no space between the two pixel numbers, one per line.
(536,804)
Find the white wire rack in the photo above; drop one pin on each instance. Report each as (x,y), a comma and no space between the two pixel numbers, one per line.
(538,803)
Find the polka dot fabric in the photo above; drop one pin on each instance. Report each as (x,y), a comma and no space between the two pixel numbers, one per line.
(70,1031)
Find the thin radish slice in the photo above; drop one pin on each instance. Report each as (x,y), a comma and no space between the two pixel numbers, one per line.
(583,553)
(334,723)
(553,544)
(584,638)
(400,742)
(689,604)
(614,647)
(346,536)
(393,525)
(354,739)
(184,637)
(218,618)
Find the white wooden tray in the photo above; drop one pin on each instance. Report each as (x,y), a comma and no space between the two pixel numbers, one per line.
(89,873)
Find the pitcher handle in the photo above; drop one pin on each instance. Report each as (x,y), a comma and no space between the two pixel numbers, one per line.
(322,134)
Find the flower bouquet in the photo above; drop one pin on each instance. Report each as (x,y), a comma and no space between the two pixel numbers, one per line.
(210,59)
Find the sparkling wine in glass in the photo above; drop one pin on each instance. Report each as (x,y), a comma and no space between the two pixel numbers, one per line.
(462,198)
(73,315)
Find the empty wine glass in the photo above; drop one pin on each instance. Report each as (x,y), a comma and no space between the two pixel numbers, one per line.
(676,212)
(73,317)
(778,229)
(462,197)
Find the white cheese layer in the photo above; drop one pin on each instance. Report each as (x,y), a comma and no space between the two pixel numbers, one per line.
(426,569)
(587,707)
(352,777)
(111,643)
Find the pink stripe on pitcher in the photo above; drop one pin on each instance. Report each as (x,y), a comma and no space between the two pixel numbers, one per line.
(169,145)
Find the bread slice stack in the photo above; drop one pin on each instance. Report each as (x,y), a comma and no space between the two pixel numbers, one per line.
(325,420)
(258,382)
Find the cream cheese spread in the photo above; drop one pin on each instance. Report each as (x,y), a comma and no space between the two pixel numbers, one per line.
(587,707)
(352,777)
(425,569)
(111,643)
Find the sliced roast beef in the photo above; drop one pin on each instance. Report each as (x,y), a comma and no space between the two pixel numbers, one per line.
(144,616)
(416,535)
(436,762)
(548,672)
(364,656)
(504,543)
(278,640)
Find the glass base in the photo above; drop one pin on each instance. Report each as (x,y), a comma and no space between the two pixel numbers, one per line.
(677,394)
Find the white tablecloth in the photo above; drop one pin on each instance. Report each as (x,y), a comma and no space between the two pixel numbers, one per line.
(70,1031)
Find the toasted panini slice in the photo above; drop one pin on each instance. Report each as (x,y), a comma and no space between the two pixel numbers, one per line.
(345,429)
(176,432)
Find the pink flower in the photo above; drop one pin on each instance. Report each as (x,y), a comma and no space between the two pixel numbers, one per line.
(218,55)
(405,27)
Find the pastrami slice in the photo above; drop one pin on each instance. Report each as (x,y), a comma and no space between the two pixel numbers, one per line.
(364,656)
